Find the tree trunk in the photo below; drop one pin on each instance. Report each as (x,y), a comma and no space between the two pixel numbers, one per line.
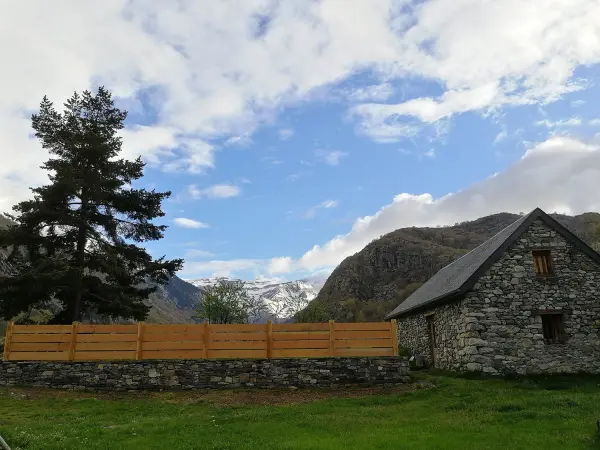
(80,260)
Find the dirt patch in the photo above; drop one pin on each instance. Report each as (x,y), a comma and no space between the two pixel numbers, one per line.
(224,398)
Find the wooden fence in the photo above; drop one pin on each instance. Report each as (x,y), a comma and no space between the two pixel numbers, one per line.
(80,342)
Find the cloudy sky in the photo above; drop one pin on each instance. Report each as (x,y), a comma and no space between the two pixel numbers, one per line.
(294,132)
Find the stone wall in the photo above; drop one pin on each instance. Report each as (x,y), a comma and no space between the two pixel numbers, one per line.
(206,374)
(499,329)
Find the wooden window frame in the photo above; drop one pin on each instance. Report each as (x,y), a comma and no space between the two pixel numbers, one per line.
(553,327)
(542,263)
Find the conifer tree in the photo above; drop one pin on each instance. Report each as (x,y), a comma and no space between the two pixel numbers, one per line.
(74,243)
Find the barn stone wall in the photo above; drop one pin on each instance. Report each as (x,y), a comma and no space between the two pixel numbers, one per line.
(497,327)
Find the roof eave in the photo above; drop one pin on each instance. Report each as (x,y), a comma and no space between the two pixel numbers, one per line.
(446,298)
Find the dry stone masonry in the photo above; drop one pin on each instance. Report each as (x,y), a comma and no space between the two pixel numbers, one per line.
(497,327)
(206,374)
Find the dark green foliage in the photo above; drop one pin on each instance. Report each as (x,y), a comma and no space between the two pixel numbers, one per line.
(227,302)
(74,242)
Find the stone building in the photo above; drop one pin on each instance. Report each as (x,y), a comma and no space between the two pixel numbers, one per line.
(525,301)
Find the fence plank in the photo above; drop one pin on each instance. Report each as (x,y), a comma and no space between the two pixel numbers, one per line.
(289,336)
(238,345)
(301,353)
(364,352)
(106,346)
(39,356)
(242,328)
(41,337)
(269,338)
(103,355)
(236,354)
(44,329)
(173,328)
(189,345)
(331,338)
(278,327)
(8,341)
(304,343)
(363,343)
(140,341)
(41,347)
(107,338)
(362,334)
(362,326)
(172,354)
(73,340)
(254,336)
(102,329)
(156,337)
(394,331)
(206,339)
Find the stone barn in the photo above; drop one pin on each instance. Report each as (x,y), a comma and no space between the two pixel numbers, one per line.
(526,301)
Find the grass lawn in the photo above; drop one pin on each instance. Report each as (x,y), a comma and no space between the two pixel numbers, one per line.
(454,413)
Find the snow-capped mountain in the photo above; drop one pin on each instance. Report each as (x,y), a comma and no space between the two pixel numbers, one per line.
(282,299)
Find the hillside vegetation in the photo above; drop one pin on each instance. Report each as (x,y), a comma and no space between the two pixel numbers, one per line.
(369,284)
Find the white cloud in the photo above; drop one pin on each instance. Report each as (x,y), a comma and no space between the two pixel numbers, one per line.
(572,122)
(594,122)
(331,157)
(196,68)
(375,92)
(502,135)
(197,253)
(221,268)
(551,175)
(215,191)
(189,223)
(285,133)
(280,265)
(327,204)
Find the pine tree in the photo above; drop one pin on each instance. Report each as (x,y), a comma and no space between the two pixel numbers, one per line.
(74,243)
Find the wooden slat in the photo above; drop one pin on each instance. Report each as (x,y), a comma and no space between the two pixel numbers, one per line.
(107,338)
(238,345)
(224,354)
(255,336)
(280,327)
(41,347)
(189,345)
(394,331)
(173,328)
(269,338)
(172,354)
(205,339)
(362,326)
(140,341)
(41,337)
(43,329)
(73,340)
(289,336)
(363,343)
(331,337)
(105,329)
(364,352)
(301,353)
(155,337)
(305,344)
(106,346)
(103,355)
(242,328)
(8,341)
(39,356)
(362,334)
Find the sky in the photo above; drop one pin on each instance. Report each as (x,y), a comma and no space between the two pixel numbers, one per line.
(292,133)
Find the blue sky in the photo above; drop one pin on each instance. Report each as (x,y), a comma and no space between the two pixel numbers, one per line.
(293,133)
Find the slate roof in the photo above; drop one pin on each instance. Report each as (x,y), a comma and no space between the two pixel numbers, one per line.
(451,282)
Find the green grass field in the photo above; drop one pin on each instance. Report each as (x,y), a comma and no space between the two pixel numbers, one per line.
(454,413)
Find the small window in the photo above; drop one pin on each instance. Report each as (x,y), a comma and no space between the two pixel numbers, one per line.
(554,328)
(542,262)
